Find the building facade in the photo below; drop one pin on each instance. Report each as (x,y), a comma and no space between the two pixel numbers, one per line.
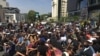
(11,14)
(59,9)
(2,14)
(94,9)
(55,9)
(3,3)
(73,7)
(84,8)
(63,8)
(22,17)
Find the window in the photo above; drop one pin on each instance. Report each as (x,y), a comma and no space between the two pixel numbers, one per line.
(83,4)
(92,1)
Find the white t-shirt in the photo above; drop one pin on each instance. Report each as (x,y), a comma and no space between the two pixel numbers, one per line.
(63,38)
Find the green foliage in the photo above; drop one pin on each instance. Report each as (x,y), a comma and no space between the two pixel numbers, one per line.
(66,19)
(73,18)
(51,20)
(99,20)
(49,14)
(31,15)
(45,16)
(42,17)
(63,19)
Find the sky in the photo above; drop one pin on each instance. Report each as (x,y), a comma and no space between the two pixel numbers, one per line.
(41,6)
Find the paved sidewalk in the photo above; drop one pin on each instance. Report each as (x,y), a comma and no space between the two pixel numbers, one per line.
(1,53)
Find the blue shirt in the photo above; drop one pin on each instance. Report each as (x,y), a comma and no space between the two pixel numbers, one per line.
(20,40)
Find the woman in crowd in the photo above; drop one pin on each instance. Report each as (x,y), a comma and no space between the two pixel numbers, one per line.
(31,49)
(68,39)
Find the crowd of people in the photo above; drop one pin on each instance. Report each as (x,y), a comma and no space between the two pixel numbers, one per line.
(48,39)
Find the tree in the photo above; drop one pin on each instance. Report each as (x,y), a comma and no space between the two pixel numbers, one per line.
(73,18)
(31,16)
(45,16)
(49,14)
(52,20)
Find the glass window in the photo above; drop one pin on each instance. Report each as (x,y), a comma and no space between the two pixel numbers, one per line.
(83,4)
(92,1)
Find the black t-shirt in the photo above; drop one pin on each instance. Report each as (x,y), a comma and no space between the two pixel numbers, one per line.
(42,49)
